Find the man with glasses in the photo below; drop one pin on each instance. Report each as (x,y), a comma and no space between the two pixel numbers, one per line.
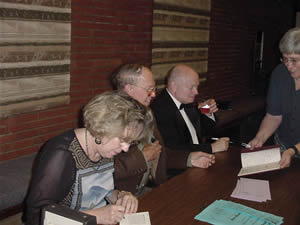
(180,122)
(152,158)
(283,101)
(145,160)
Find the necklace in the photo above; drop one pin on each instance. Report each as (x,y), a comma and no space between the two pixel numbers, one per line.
(86,144)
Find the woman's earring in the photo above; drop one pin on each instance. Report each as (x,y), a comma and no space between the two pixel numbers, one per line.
(98,141)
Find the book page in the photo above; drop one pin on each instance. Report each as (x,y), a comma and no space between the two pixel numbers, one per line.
(141,218)
(259,168)
(262,157)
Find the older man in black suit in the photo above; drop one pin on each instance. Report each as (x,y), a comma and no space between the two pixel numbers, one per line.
(180,122)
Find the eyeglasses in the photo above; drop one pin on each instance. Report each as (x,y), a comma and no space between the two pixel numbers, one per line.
(127,141)
(150,91)
(293,61)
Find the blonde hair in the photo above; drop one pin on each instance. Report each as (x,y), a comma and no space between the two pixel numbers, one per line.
(108,114)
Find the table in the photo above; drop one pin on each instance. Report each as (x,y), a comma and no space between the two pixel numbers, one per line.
(177,201)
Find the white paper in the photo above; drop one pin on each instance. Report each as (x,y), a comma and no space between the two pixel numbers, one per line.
(252,189)
(141,218)
(260,161)
(55,219)
(260,157)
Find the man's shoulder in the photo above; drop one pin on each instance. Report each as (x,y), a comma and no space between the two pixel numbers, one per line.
(161,100)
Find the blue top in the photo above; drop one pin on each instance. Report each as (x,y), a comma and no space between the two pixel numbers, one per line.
(284,100)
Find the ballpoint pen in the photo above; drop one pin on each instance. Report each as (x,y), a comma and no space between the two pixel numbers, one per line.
(245,145)
(215,139)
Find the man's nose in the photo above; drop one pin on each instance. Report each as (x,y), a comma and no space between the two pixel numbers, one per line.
(125,146)
(153,94)
(195,90)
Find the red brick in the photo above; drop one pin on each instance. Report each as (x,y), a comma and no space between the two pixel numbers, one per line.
(15,146)
(55,112)
(18,154)
(3,130)
(22,118)
(12,137)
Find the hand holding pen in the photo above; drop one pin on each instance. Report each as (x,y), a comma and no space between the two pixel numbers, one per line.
(245,145)
(109,214)
(220,145)
(125,199)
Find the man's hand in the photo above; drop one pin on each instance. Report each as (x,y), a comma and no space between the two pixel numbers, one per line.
(286,158)
(211,103)
(220,145)
(202,159)
(152,151)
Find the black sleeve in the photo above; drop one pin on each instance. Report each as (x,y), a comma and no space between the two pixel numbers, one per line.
(208,126)
(52,178)
(170,132)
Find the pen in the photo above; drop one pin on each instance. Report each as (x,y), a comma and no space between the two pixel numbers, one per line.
(108,200)
(215,139)
(245,145)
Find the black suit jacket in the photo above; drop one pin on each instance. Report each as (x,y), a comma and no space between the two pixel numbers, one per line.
(173,127)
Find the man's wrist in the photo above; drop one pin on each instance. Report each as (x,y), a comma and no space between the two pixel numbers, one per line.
(189,161)
(294,148)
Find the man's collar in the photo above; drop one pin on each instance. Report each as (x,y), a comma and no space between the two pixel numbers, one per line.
(177,103)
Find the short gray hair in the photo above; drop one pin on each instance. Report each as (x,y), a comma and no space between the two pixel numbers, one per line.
(126,74)
(290,42)
(108,114)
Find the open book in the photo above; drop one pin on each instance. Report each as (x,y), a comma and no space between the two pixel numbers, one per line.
(141,218)
(260,160)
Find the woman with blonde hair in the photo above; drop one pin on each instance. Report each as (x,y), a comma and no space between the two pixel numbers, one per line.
(75,169)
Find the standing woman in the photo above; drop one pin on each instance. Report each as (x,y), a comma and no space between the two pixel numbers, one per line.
(283,102)
(75,169)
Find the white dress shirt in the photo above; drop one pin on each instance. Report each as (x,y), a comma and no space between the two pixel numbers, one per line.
(186,119)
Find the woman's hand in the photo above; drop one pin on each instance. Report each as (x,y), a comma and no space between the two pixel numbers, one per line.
(256,142)
(286,158)
(110,214)
(128,201)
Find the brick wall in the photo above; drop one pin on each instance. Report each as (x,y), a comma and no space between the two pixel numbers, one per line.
(105,34)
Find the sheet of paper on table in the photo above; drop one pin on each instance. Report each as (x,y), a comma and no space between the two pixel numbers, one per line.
(222,212)
(141,218)
(252,189)
(260,160)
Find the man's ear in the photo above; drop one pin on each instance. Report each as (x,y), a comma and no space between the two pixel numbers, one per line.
(128,88)
(172,86)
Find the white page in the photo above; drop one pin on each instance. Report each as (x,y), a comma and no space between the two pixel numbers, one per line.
(141,218)
(259,188)
(260,157)
(259,168)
